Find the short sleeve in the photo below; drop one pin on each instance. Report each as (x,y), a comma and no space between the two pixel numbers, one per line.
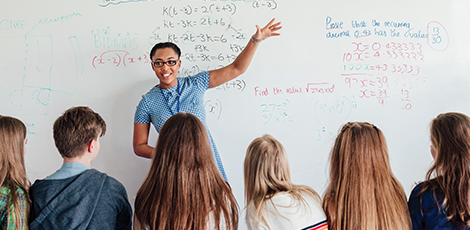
(414,206)
(201,80)
(142,114)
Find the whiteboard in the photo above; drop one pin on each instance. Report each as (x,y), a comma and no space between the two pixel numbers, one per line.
(396,64)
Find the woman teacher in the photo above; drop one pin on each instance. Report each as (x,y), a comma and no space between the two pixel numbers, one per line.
(175,94)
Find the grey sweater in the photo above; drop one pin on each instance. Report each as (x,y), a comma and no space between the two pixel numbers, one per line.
(90,200)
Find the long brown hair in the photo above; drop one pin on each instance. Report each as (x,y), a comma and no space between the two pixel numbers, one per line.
(362,192)
(184,189)
(266,173)
(449,175)
(12,167)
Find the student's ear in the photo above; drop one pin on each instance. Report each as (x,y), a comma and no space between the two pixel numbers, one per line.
(91,146)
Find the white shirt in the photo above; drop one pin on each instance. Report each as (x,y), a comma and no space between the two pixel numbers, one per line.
(284,212)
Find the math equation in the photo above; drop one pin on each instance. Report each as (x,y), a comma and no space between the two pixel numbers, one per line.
(385,59)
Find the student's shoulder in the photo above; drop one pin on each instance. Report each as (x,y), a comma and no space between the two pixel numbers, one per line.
(113,185)
(417,190)
(425,196)
(281,198)
(43,184)
(5,190)
(115,193)
(111,189)
(111,181)
(287,198)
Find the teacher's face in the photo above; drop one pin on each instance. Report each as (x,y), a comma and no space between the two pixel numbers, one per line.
(167,72)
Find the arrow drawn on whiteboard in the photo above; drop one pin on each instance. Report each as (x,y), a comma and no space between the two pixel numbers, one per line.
(29,31)
(105,3)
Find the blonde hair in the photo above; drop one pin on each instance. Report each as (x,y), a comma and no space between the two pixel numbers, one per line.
(266,173)
(12,167)
(184,189)
(450,172)
(363,193)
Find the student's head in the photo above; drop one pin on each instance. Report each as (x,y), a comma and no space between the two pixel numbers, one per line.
(75,129)
(359,149)
(12,167)
(12,147)
(362,192)
(450,138)
(184,135)
(183,184)
(266,168)
(266,172)
(450,173)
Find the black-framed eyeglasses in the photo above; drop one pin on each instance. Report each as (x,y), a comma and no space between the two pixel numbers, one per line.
(168,63)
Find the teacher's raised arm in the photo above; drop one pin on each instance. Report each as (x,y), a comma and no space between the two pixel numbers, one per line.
(186,94)
(241,63)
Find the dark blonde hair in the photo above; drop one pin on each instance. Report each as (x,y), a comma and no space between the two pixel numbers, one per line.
(362,192)
(450,173)
(266,173)
(74,130)
(184,189)
(12,167)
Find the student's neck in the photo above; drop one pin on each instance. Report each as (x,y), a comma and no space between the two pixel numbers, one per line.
(81,159)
